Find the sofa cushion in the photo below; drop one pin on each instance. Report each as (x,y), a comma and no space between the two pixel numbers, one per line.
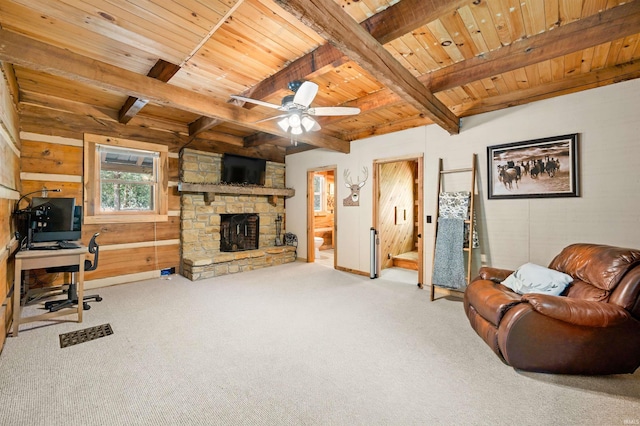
(600,265)
(532,278)
(585,291)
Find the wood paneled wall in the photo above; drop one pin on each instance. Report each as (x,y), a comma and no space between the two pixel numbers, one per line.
(52,156)
(9,191)
(128,251)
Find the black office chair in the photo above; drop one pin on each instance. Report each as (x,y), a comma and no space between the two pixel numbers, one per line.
(72,293)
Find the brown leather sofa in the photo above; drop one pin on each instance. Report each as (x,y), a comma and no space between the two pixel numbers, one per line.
(593,327)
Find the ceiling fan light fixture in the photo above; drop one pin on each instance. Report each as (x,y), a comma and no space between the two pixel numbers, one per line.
(308,123)
(297,130)
(294,120)
(284,124)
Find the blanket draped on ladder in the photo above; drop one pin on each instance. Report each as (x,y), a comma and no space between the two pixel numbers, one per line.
(448,262)
(453,235)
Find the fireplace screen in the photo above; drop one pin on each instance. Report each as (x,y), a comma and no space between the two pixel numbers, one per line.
(239,232)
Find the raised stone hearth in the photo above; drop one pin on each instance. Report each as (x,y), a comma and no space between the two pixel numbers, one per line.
(204,200)
(230,263)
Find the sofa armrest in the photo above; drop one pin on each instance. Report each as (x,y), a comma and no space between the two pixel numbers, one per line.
(493,274)
(575,311)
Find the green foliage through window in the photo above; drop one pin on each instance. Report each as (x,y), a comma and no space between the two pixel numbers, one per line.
(127,179)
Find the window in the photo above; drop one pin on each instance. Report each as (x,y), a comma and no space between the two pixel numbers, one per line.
(128,179)
(319,194)
(124,180)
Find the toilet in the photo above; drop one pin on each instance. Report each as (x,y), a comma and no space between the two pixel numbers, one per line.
(318,242)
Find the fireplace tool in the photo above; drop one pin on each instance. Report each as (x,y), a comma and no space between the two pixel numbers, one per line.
(278,230)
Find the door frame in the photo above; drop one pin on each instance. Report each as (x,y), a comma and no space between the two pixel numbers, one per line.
(419,160)
(311,255)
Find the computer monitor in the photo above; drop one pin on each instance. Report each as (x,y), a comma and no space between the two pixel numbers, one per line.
(55,219)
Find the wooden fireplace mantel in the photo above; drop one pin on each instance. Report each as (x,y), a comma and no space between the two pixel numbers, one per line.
(210,189)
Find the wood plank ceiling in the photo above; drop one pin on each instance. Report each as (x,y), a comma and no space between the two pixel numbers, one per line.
(170,66)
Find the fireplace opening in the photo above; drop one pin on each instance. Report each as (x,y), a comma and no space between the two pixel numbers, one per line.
(239,232)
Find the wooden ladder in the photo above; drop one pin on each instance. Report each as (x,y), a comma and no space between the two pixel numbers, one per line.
(470,221)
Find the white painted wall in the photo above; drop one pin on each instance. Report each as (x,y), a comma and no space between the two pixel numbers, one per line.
(512,232)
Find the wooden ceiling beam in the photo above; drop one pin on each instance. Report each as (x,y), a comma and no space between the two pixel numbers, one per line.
(389,127)
(12,82)
(73,125)
(612,24)
(36,55)
(577,83)
(267,152)
(163,71)
(317,62)
(107,114)
(62,104)
(329,20)
(301,147)
(214,136)
(383,98)
(202,124)
(407,15)
(36,118)
(258,139)
(393,22)
(593,79)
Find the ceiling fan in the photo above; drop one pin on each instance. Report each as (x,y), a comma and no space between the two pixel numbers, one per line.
(298,115)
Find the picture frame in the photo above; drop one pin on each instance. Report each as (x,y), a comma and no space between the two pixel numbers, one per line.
(537,168)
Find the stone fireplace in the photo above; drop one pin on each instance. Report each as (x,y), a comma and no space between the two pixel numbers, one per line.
(211,230)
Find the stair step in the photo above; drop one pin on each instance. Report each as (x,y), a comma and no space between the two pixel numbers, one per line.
(406,260)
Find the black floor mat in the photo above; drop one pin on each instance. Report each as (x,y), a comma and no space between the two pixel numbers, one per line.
(85,335)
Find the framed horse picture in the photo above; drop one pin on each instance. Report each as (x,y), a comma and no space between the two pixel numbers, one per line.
(538,168)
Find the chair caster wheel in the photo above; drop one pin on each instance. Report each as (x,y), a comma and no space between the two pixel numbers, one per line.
(86,306)
(98,299)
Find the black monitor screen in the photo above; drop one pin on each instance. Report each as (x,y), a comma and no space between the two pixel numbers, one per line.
(56,219)
(243,170)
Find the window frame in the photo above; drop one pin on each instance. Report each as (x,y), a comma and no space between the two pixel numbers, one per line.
(322,193)
(92,181)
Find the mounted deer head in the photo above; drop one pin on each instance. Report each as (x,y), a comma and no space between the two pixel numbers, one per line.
(354,198)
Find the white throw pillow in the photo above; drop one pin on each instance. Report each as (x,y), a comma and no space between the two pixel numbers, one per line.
(532,278)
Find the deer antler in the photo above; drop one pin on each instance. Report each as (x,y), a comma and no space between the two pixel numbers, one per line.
(365,171)
(347,178)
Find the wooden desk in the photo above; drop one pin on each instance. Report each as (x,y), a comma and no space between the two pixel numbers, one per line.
(38,259)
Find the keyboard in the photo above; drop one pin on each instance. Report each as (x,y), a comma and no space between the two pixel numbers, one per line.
(67,245)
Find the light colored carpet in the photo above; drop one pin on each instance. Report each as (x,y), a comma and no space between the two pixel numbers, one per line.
(400,275)
(297,344)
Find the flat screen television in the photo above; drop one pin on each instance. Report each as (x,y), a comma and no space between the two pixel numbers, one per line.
(243,170)
(55,219)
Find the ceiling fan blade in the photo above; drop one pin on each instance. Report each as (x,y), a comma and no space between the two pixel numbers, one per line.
(272,118)
(305,94)
(255,101)
(326,111)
